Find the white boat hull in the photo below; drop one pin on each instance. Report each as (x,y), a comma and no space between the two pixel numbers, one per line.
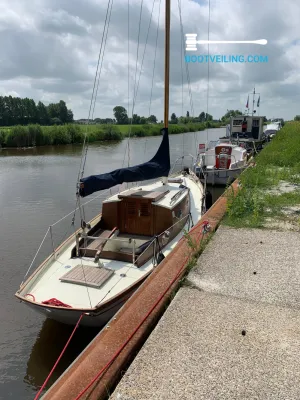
(99,305)
(90,319)
(220,177)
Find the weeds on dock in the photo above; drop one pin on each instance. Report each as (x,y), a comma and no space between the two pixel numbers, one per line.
(271,185)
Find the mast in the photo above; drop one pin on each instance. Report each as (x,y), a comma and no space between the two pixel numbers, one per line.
(167,70)
(167,62)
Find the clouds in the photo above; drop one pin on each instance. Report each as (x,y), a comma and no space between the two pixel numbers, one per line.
(49,51)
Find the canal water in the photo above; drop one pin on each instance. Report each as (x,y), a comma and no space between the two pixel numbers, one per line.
(37,188)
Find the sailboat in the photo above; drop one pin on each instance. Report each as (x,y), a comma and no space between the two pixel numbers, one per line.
(103,263)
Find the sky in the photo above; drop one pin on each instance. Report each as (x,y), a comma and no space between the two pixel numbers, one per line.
(50,50)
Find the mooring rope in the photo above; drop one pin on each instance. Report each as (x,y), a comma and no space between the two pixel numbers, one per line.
(57,361)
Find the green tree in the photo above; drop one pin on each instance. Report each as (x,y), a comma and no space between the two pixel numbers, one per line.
(43,114)
(53,110)
(297,118)
(63,112)
(56,121)
(120,115)
(70,116)
(152,119)
(202,117)
(136,119)
(187,114)
(174,119)
(229,114)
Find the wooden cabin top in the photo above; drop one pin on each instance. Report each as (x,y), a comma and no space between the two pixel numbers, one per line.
(167,197)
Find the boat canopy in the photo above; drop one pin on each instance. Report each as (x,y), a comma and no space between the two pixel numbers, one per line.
(157,167)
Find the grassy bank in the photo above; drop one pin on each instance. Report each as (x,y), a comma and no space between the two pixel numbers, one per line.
(36,135)
(270,192)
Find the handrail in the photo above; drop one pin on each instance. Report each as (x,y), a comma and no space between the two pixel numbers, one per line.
(218,156)
(180,158)
(161,234)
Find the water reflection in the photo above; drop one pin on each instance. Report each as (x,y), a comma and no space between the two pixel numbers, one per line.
(47,348)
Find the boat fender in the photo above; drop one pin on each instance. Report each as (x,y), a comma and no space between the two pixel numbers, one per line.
(160,257)
(206,227)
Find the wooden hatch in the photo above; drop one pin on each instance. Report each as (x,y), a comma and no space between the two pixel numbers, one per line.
(137,211)
(88,276)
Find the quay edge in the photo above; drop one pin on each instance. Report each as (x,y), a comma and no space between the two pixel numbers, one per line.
(102,349)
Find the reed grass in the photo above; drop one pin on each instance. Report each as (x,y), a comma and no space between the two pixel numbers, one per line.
(36,135)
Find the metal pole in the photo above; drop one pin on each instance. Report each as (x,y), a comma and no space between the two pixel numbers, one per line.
(253,101)
(167,62)
(52,242)
(133,252)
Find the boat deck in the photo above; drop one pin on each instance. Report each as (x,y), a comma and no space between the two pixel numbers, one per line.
(49,282)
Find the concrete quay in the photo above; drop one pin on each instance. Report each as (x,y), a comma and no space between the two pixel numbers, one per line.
(232,331)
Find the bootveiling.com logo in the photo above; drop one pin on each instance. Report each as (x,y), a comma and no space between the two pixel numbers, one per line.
(191,45)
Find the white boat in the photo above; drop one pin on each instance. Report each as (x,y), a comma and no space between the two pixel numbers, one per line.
(272,129)
(98,268)
(221,163)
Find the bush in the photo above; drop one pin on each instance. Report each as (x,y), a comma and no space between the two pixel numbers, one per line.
(3,135)
(75,133)
(35,135)
(60,135)
(111,132)
(17,137)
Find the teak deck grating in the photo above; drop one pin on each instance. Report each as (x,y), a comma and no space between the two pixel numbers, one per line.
(89,276)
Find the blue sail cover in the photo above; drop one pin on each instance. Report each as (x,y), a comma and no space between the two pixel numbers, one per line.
(157,167)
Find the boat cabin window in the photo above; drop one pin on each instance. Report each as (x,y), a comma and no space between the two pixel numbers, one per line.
(237,122)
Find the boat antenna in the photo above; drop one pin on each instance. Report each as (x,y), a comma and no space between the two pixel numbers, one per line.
(253,101)
(167,69)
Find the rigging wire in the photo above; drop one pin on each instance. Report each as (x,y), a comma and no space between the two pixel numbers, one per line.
(207,94)
(154,65)
(182,85)
(134,87)
(90,116)
(137,82)
(93,92)
(85,145)
(187,71)
(102,58)
(128,56)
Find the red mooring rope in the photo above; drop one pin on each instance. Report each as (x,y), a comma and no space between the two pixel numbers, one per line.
(57,361)
(204,230)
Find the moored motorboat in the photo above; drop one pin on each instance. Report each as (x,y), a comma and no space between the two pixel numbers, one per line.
(221,163)
(272,129)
